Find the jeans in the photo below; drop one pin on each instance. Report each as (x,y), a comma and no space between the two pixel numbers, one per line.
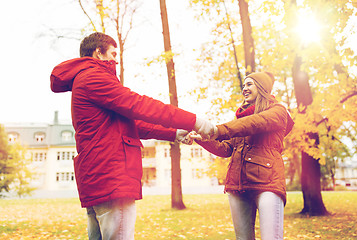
(244,207)
(112,220)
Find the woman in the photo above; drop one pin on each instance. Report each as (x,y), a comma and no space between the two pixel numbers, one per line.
(254,141)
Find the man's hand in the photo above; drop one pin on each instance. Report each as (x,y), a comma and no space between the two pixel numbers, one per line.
(205,128)
(194,136)
(183,136)
(180,135)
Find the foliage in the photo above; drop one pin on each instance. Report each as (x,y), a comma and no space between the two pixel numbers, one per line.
(206,217)
(329,63)
(218,169)
(217,61)
(293,186)
(164,57)
(15,171)
(4,168)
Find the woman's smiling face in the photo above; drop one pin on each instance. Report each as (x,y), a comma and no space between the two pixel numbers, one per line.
(250,91)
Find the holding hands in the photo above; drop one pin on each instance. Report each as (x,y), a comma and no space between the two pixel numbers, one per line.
(203,130)
(185,137)
(206,129)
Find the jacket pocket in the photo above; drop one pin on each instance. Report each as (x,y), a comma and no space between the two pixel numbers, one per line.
(257,169)
(133,161)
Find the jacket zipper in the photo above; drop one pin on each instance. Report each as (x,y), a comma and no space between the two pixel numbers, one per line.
(245,145)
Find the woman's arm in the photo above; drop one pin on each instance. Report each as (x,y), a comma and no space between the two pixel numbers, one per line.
(273,119)
(222,149)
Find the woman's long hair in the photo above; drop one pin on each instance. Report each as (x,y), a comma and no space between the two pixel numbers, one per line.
(264,99)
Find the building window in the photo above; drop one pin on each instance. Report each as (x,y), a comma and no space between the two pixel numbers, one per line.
(67,136)
(13,137)
(65,156)
(144,153)
(167,153)
(40,137)
(196,152)
(39,156)
(64,176)
(148,152)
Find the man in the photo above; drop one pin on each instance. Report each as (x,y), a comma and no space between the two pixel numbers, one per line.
(109,120)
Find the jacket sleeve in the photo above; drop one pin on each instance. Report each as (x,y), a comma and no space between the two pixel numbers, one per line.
(153,131)
(221,149)
(105,90)
(273,119)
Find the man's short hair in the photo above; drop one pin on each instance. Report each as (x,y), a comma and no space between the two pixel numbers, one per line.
(96,40)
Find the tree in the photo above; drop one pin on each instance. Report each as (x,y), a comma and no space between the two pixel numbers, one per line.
(327,66)
(176,189)
(5,168)
(248,40)
(310,167)
(336,151)
(312,155)
(15,171)
(114,15)
(218,169)
(217,57)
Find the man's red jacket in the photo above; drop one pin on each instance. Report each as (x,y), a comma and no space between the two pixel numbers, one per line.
(109,120)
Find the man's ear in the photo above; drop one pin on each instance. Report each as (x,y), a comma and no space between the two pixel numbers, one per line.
(97,54)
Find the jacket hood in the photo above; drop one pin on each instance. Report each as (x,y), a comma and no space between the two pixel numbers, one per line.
(63,74)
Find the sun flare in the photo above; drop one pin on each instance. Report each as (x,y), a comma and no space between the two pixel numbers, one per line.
(308,28)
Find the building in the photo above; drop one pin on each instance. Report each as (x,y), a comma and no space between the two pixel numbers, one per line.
(157,165)
(52,150)
(346,173)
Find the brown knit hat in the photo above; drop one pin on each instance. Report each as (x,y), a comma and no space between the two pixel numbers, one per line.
(264,79)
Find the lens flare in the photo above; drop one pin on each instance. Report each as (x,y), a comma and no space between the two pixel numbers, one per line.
(308,28)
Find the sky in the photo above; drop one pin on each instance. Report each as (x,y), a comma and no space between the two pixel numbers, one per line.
(30,52)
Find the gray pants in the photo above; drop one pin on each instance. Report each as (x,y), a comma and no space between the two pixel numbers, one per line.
(244,207)
(113,220)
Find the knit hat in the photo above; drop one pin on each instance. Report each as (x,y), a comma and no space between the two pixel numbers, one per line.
(264,79)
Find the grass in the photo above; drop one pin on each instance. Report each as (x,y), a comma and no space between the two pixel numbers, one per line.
(206,217)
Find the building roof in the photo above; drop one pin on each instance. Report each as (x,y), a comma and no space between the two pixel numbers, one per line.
(42,134)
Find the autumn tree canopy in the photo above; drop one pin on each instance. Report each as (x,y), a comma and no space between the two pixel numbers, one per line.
(319,33)
(15,169)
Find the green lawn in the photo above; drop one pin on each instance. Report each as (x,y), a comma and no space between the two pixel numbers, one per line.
(206,217)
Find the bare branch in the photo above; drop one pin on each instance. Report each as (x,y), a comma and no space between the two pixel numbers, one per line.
(234,48)
(84,11)
(130,24)
(354,93)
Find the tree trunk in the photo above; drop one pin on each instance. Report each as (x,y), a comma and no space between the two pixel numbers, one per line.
(176,189)
(333,180)
(248,41)
(311,183)
(121,57)
(310,167)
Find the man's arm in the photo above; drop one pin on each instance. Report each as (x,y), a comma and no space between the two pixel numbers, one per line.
(153,131)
